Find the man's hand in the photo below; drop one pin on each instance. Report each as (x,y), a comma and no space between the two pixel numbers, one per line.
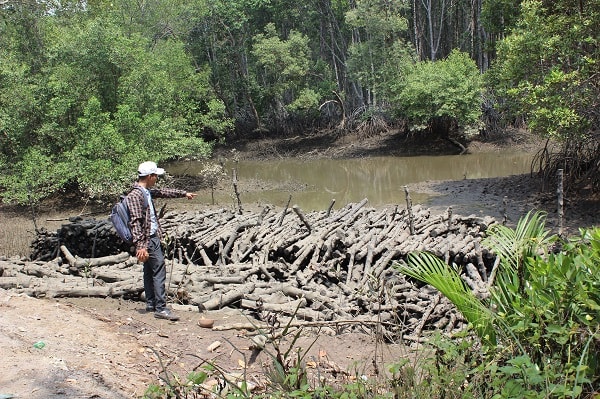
(142,255)
(190,195)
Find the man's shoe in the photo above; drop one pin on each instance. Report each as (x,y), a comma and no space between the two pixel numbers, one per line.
(149,308)
(166,314)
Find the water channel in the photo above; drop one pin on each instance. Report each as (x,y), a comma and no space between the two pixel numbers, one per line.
(313,184)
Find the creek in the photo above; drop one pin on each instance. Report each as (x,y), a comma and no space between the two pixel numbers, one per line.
(313,184)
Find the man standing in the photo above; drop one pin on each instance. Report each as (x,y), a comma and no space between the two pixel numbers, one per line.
(147,233)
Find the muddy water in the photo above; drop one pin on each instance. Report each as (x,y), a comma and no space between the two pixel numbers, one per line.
(314,184)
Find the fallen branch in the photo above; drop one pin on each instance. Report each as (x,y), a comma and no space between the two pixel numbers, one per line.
(80,263)
(253,326)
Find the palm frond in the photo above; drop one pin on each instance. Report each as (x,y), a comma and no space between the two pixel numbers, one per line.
(428,268)
(514,245)
(513,248)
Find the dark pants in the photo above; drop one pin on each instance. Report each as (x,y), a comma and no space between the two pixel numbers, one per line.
(155,275)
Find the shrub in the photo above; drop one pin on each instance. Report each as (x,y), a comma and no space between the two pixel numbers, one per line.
(544,308)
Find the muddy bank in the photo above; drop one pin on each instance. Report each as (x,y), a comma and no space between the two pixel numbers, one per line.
(511,198)
(391,143)
(505,198)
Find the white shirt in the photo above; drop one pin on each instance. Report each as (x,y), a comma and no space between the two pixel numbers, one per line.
(153,223)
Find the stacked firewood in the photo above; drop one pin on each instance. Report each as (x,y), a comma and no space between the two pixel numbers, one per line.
(88,238)
(331,267)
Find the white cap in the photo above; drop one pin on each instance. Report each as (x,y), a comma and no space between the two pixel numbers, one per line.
(149,168)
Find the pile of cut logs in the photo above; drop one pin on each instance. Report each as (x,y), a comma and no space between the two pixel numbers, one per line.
(324,268)
(87,238)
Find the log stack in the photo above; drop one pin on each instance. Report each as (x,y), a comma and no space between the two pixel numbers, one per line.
(331,267)
(87,238)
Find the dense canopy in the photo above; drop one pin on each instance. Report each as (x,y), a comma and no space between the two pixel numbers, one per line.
(90,89)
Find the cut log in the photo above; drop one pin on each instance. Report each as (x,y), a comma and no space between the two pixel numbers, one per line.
(79,263)
(219,257)
(221,301)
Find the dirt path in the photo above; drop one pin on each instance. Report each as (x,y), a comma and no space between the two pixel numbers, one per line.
(106,348)
(56,350)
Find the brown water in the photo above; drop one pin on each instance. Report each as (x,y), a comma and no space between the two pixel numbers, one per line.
(314,184)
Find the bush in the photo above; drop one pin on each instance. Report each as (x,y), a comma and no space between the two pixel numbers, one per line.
(445,90)
(544,309)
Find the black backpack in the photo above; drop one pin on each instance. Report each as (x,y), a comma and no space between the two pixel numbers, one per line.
(120,217)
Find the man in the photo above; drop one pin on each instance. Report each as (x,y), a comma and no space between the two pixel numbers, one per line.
(147,233)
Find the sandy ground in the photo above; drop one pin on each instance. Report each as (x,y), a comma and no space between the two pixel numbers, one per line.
(106,348)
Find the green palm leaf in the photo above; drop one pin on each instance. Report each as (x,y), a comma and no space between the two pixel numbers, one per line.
(430,269)
(513,246)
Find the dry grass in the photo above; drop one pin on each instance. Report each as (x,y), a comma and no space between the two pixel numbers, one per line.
(18,230)
(16,234)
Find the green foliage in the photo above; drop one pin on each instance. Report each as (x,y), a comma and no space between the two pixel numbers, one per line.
(38,177)
(552,289)
(447,89)
(20,105)
(306,100)
(443,370)
(376,60)
(500,15)
(193,384)
(283,69)
(285,58)
(154,392)
(546,310)
(549,307)
(515,246)
(201,63)
(104,101)
(546,68)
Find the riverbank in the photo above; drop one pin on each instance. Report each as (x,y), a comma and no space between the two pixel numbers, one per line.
(506,197)
(391,143)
